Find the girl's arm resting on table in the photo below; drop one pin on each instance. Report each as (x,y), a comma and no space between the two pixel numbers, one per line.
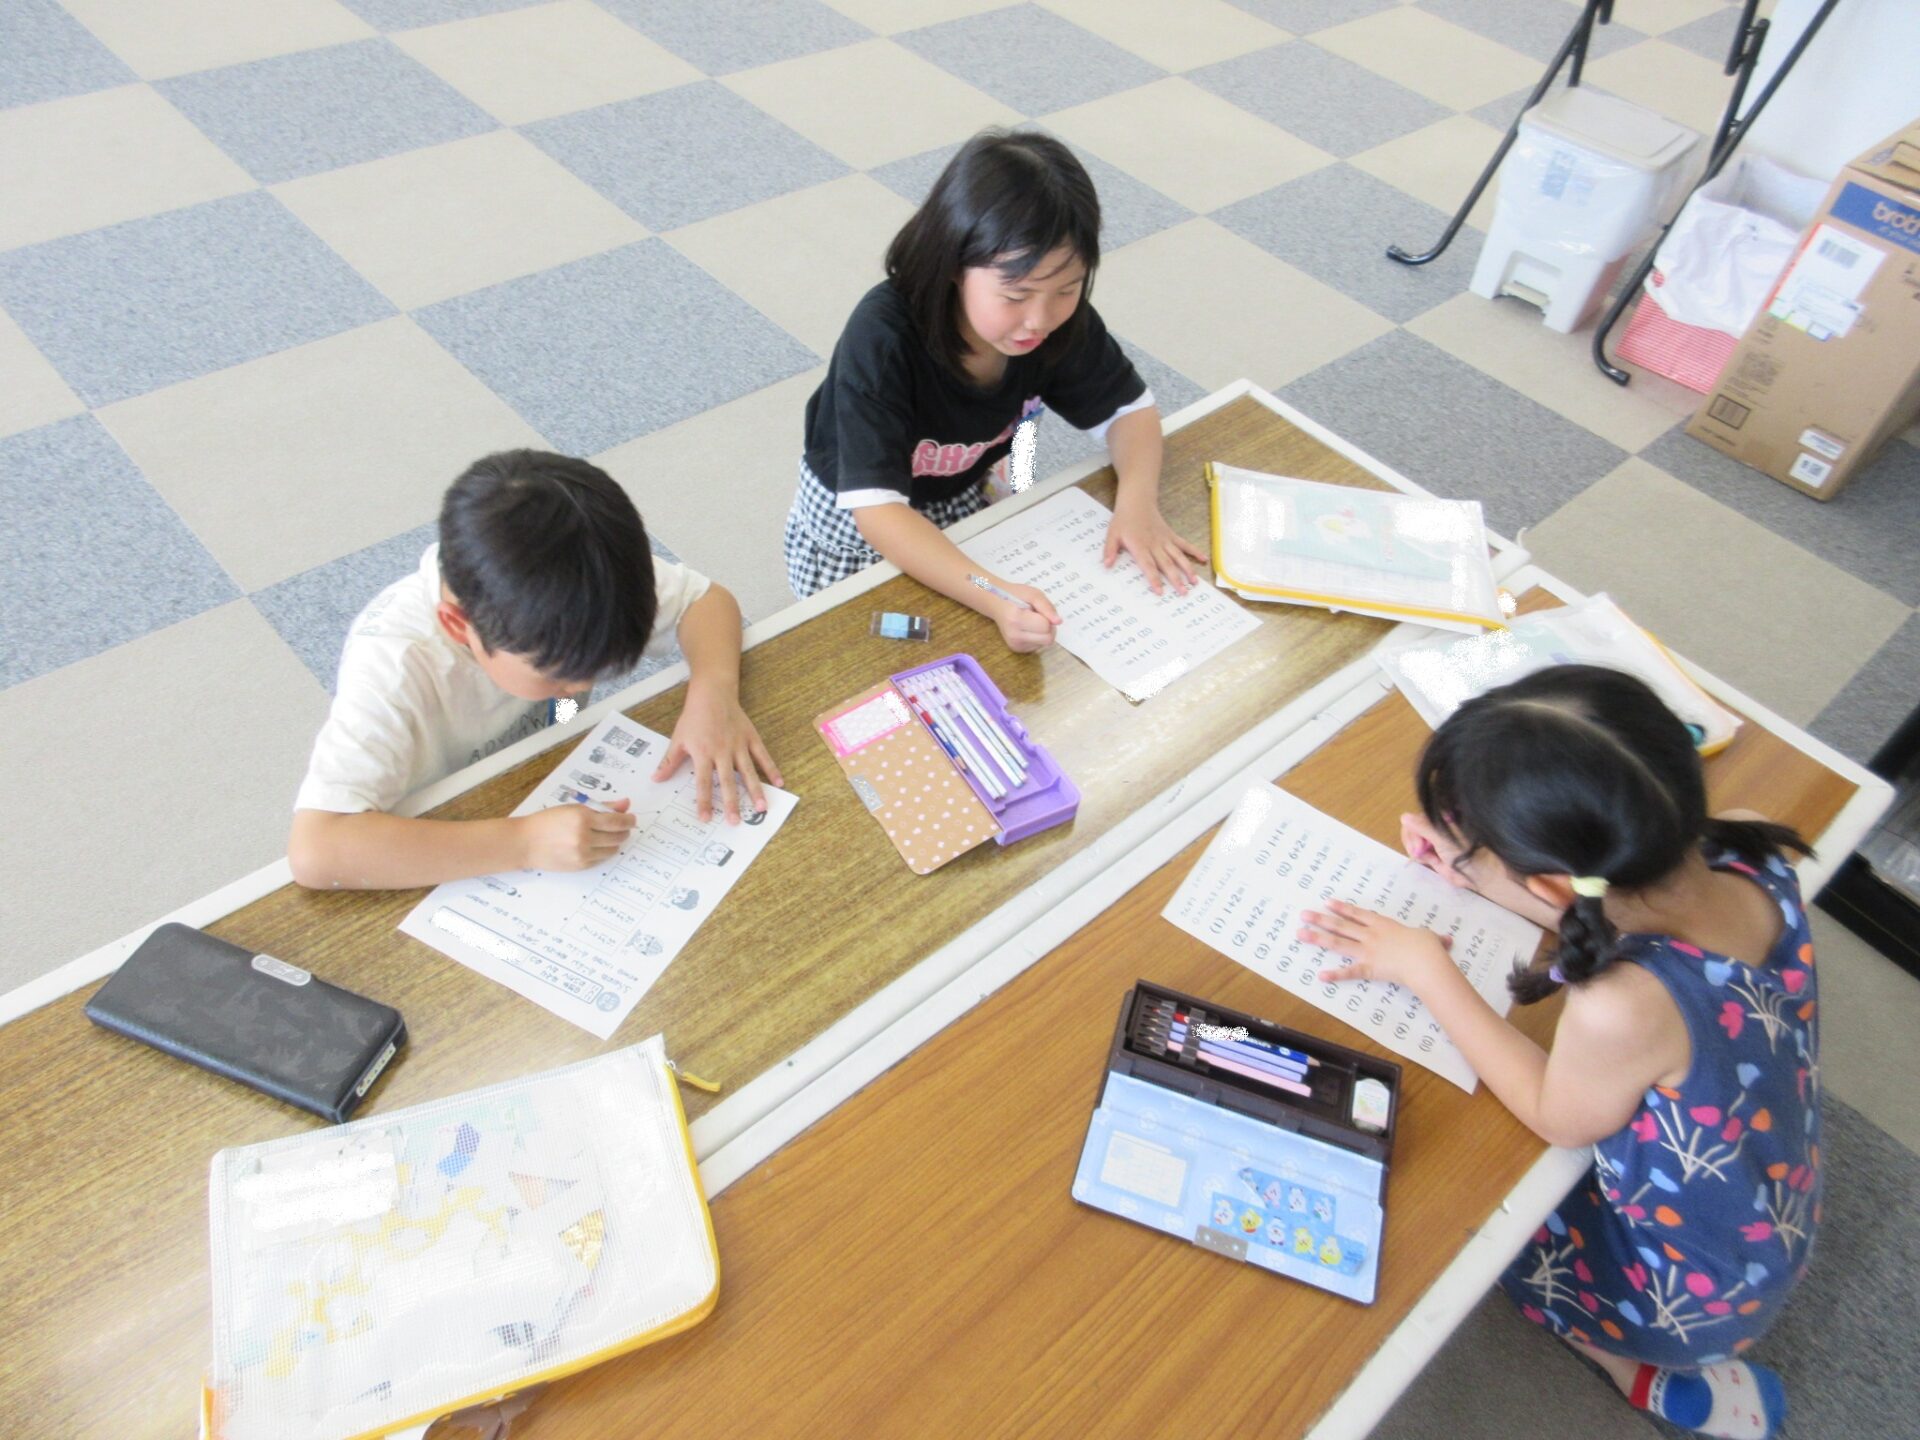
(920,548)
(1136,446)
(1602,1059)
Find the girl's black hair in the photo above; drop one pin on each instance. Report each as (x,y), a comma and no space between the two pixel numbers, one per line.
(1008,199)
(548,557)
(1579,770)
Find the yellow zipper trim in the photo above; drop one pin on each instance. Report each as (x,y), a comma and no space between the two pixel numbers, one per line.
(1312,597)
(686,1320)
(712,1087)
(1694,686)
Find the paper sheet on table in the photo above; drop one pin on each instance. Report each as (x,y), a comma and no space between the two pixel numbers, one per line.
(587,944)
(1136,641)
(1276,855)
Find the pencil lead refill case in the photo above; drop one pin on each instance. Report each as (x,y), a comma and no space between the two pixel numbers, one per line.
(252,1018)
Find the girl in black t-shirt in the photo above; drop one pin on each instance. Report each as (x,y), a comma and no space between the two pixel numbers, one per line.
(981,324)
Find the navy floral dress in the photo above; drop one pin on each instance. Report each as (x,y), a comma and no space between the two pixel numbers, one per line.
(1680,1246)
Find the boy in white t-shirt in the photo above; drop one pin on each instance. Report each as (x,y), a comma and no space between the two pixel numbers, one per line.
(542,581)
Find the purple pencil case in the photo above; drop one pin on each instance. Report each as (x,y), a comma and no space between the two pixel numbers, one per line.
(1042,798)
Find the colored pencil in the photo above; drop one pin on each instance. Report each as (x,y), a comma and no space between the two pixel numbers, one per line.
(969,699)
(956,746)
(1014,778)
(1227,1063)
(1285,1050)
(1284,1064)
(971,703)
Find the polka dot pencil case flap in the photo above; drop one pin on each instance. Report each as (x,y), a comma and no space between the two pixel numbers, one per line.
(905,779)
(371,1277)
(941,762)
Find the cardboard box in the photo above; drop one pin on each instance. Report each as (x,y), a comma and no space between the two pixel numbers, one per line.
(1830,368)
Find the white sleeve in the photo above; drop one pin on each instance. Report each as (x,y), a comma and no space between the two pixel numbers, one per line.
(1099,432)
(861,499)
(364,756)
(675,587)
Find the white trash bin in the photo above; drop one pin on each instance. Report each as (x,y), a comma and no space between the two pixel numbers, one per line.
(1586,181)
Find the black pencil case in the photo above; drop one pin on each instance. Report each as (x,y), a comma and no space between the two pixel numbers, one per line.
(1254,1142)
(252,1018)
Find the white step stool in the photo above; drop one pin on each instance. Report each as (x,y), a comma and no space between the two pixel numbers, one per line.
(1585,183)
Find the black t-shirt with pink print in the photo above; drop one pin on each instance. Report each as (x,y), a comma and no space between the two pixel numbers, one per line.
(891,423)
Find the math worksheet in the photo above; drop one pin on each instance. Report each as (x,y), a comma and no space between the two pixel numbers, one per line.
(1136,641)
(586,944)
(1276,855)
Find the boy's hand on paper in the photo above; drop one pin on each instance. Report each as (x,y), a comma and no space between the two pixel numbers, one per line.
(716,735)
(1164,556)
(1026,630)
(573,837)
(1376,948)
(1430,846)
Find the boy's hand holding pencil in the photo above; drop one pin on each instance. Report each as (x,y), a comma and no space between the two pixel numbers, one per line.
(575,837)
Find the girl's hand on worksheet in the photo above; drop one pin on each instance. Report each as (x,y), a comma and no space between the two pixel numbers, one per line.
(574,837)
(1164,556)
(1428,845)
(1025,630)
(715,733)
(1376,948)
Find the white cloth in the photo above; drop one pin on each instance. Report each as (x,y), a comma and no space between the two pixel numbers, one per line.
(411,706)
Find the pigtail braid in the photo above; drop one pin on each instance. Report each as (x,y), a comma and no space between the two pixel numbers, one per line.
(1588,945)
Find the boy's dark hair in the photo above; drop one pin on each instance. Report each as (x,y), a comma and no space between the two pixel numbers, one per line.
(548,558)
(1012,197)
(1579,770)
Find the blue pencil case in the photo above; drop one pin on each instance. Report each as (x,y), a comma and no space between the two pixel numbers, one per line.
(1254,1142)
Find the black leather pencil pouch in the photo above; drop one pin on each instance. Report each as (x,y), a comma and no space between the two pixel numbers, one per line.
(251,1018)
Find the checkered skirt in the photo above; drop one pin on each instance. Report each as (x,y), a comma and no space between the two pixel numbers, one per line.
(824,544)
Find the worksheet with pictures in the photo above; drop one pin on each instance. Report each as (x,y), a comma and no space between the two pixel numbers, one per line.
(1136,641)
(1276,856)
(587,944)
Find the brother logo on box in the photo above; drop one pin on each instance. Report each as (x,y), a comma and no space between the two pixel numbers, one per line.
(1878,215)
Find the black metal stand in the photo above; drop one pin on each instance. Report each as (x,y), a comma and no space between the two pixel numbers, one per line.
(1574,49)
(1741,58)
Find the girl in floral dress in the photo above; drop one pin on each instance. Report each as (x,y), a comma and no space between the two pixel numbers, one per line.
(1686,1055)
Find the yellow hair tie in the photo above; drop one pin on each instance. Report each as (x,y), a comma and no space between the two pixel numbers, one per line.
(1590,886)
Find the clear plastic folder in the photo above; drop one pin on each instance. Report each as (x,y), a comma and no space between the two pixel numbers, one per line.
(371,1277)
(1438,673)
(1373,552)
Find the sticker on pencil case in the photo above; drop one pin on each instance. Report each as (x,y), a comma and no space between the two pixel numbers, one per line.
(867,722)
(1288,1195)
(1301,1227)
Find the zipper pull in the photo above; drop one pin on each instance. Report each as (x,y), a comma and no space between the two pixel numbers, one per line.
(694,1080)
